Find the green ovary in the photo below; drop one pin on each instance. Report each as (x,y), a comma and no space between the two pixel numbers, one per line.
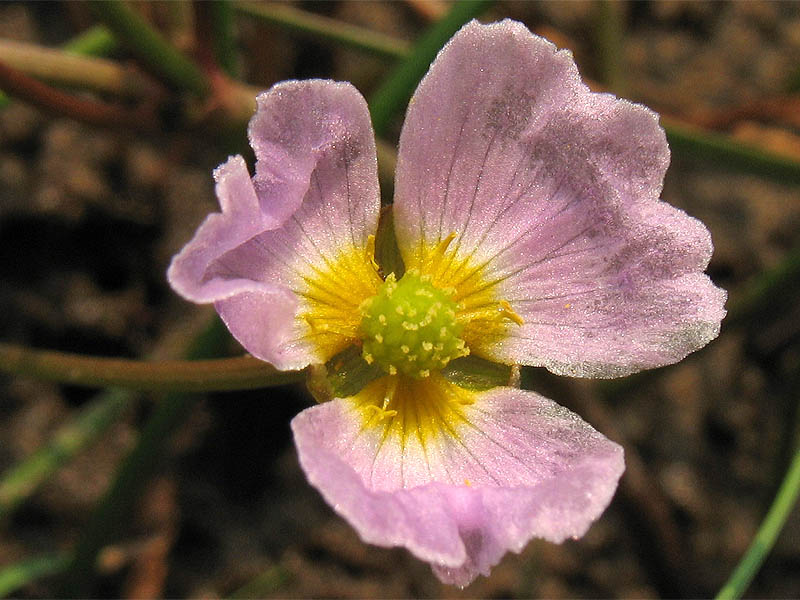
(410,327)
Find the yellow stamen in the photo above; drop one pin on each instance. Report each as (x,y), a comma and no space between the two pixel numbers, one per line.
(509,313)
(369,252)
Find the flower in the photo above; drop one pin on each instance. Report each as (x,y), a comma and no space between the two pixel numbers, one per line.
(528,218)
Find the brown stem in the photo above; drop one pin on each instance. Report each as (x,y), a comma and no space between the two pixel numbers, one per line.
(28,89)
(244,372)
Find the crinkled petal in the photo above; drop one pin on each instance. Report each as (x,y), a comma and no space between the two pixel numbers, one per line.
(459,484)
(240,220)
(286,262)
(551,192)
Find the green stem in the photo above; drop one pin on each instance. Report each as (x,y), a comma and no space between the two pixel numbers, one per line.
(319,26)
(95,41)
(24,479)
(16,576)
(609,33)
(151,48)
(72,70)
(396,90)
(764,540)
(264,584)
(761,292)
(238,373)
(107,522)
(691,142)
(222,23)
(109,518)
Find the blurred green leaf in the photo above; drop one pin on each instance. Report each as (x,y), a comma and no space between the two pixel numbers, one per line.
(16,576)
(319,26)
(693,143)
(393,95)
(150,46)
(94,419)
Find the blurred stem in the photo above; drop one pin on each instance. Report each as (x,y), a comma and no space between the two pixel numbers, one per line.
(101,114)
(151,47)
(793,82)
(692,142)
(16,576)
(319,26)
(69,69)
(114,510)
(767,534)
(110,516)
(222,24)
(396,90)
(764,288)
(95,41)
(239,373)
(264,584)
(24,479)
(609,34)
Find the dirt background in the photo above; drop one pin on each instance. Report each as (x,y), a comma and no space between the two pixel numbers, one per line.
(89,220)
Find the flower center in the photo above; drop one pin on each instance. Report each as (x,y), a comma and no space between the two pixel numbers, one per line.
(410,326)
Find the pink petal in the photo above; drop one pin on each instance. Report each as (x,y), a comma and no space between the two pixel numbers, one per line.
(552,192)
(314,199)
(516,466)
(465,144)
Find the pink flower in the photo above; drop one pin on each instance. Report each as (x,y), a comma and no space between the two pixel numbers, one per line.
(528,217)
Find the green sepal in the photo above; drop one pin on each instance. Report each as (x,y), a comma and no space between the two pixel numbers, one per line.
(343,376)
(478,374)
(387,253)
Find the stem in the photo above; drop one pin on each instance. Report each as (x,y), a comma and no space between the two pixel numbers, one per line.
(764,288)
(95,41)
(112,513)
(151,48)
(609,28)
(16,576)
(762,543)
(64,68)
(396,90)
(222,24)
(692,142)
(31,90)
(319,26)
(23,480)
(107,522)
(264,584)
(240,373)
